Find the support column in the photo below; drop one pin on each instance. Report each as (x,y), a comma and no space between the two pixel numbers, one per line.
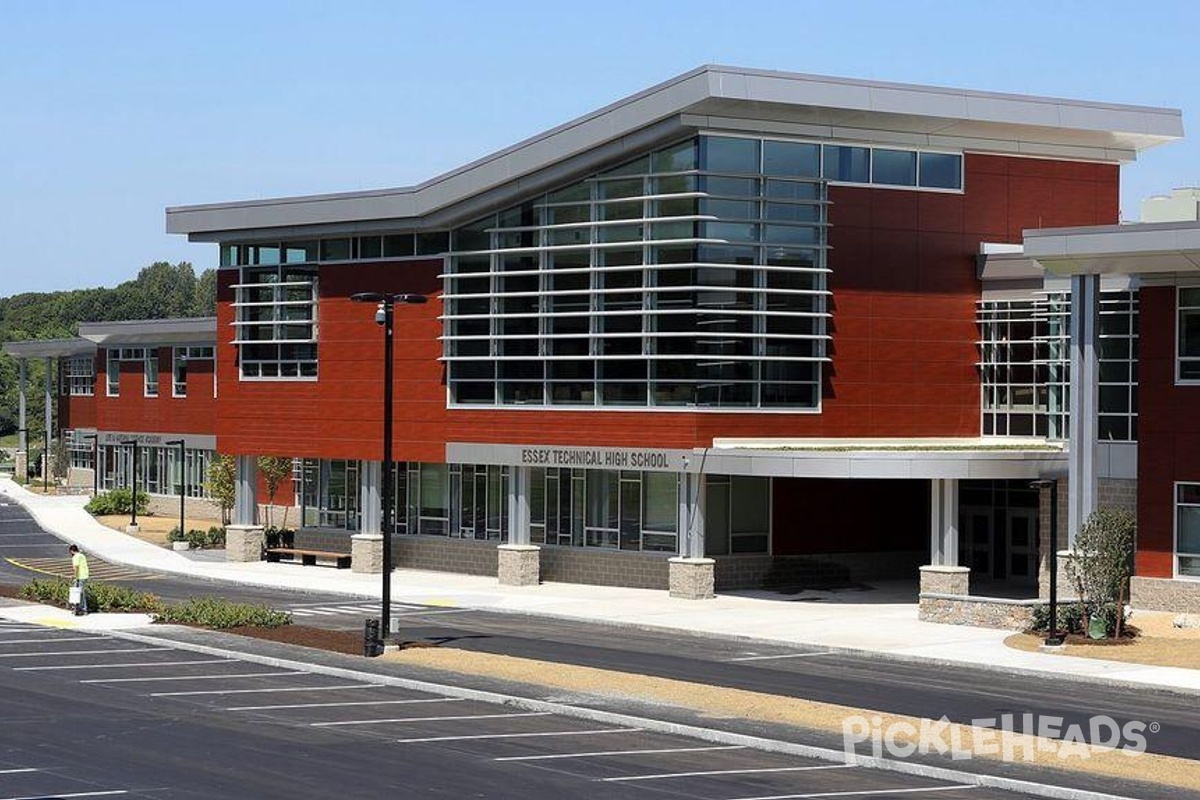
(366,546)
(518,560)
(22,465)
(943,575)
(244,538)
(1085,395)
(692,576)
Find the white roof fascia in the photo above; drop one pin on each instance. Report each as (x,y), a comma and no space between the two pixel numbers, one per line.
(1166,247)
(200,331)
(1030,125)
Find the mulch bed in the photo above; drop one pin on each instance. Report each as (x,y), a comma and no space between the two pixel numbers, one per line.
(350,642)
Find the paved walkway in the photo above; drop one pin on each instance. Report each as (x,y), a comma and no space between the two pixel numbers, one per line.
(886,625)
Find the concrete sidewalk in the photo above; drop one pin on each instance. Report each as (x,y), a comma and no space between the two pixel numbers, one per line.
(886,626)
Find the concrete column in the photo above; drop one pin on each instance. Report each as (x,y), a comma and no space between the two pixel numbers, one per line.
(366,553)
(245,503)
(1085,397)
(518,505)
(48,412)
(22,459)
(692,578)
(691,515)
(370,479)
(941,579)
(943,525)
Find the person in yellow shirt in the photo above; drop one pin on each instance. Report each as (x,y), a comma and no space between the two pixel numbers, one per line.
(79,568)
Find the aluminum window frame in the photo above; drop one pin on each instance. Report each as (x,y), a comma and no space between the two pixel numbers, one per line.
(1175,554)
(1179,357)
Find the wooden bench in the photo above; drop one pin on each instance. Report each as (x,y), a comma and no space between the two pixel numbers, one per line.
(309,557)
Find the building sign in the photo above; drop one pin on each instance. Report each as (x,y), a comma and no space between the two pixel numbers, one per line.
(191,440)
(643,459)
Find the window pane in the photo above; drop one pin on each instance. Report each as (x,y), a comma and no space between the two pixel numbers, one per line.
(1189,493)
(791,158)
(335,249)
(726,154)
(941,171)
(1189,333)
(1189,530)
(851,164)
(895,167)
(676,159)
(660,501)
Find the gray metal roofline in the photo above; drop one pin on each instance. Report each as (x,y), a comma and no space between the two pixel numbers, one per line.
(149,331)
(1138,249)
(49,348)
(1120,128)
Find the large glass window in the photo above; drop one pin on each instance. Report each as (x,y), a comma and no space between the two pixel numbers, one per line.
(180,356)
(277,322)
(1187,530)
(1189,334)
(894,167)
(159,470)
(329,494)
(151,371)
(737,515)
(941,171)
(79,376)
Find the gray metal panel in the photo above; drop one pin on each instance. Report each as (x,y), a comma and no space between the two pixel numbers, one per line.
(1117,460)
(195,330)
(49,348)
(802,98)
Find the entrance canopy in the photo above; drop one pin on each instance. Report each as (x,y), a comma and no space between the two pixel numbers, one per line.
(50,348)
(923,458)
(1141,249)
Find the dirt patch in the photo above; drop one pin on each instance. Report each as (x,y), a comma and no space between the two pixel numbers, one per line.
(719,702)
(1159,651)
(349,642)
(153,529)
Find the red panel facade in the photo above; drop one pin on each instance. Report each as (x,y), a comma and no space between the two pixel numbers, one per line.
(132,411)
(76,411)
(903,327)
(1168,432)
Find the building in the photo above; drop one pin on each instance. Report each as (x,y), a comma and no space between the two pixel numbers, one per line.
(742,328)
(152,382)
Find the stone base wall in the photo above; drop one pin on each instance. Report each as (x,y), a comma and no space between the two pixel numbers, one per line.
(243,543)
(1117,493)
(691,578)
(1164,594)
(519,565)
(814,571)
(366,553)
(982,612)
(945,580)
(81,477)
(194,508)
(1044,537)
(605,567)
(465,556)
(330,540)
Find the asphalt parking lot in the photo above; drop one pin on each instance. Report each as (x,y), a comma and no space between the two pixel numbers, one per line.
(509,745)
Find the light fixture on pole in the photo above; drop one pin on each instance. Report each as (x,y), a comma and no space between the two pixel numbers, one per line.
(384,316)
(1053,639)
(133,480)
(182,483)
(95,440)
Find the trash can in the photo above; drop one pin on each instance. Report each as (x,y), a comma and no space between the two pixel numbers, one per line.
(372,643)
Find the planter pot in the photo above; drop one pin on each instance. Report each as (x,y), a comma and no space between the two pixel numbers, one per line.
(180,546)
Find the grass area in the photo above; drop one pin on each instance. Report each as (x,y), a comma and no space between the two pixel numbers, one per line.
(9,440)
(154,529)
(1159,643)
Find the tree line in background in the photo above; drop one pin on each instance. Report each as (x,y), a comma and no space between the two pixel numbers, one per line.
(160,291)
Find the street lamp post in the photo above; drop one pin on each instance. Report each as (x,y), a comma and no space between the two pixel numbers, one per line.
(384,316)
(95,440)
(182,483)
(133,480)
(46,461)
(1053,639)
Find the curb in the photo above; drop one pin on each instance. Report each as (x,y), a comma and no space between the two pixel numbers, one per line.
(905,658)
(644,723)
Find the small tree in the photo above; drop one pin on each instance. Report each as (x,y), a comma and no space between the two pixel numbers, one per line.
(1103,561)
(275,470)
(222,484)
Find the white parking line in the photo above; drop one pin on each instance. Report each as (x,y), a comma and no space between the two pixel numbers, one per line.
(428,719)
(63,796)
(514,735)
(271,689)
(860,793)
(431,613)
(54,639)
(784,655)
(16,770)
(304,612)
(747,771)
(85,652)
(354,703)
(599,753)
(123,666)
(194,678)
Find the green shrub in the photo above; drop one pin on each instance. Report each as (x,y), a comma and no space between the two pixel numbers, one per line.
(117,501)
(196,538)
(100,596)
(279,537)
(215,538)
(1072,619)
(175,535)
(216,612)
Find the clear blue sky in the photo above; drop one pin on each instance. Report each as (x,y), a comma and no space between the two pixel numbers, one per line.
(114,110)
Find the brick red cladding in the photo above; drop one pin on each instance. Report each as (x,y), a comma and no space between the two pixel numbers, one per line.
(904,292)
(76,411)
(1168,432)
(132,412)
